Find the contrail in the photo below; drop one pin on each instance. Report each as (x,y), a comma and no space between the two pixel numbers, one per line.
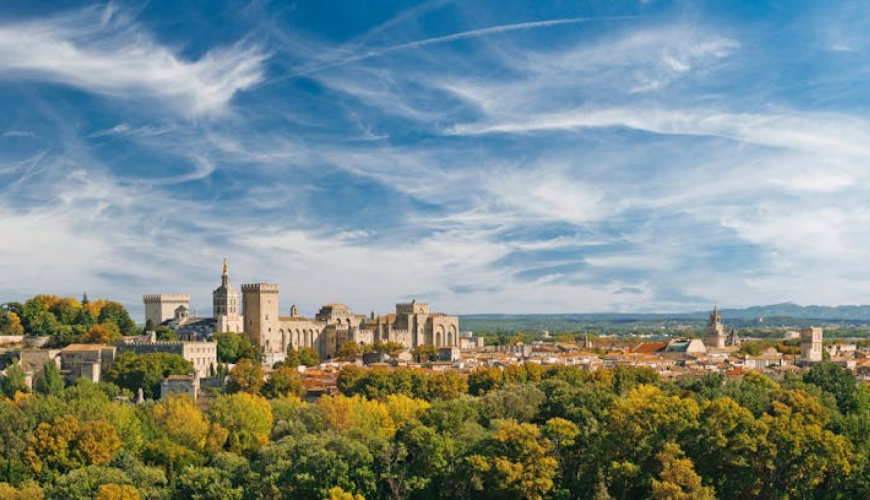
(450,38)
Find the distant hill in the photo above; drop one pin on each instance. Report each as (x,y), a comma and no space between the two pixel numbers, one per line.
(787,313)
(792,310)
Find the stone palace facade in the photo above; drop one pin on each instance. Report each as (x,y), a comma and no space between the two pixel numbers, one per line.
(256,312)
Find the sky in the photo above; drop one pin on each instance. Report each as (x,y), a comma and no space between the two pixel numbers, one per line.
(482,156)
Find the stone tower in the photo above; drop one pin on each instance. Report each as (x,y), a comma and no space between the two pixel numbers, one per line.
(811,344)
(225,303)
(714,336)
(161,307)
(260,301)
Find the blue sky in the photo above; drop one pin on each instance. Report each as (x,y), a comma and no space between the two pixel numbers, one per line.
(485,156)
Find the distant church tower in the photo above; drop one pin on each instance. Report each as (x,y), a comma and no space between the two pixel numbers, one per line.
(733,338)
(225,302)
(811,344)
(715,334)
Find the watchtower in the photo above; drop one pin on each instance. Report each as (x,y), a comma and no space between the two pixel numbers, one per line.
(161,307)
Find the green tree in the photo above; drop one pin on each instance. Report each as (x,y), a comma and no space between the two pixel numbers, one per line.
(13,381)
(387,347)
(231,347)
(247,417)
(726,448)
(206,483)
(284,380)
(131,371)
(50,382)
(116,313)
(484,380)
(85,483)
(304,356)
(13,425)
(424,353)
(841,383)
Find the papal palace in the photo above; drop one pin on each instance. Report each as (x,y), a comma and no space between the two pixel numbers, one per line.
(256,312)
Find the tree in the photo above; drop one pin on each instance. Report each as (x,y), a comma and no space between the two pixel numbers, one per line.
(206,483)
(84,483)
(316,463)
(67,444)
(131,371)
(165,333)
(515,462)
(726,446)
(403,409)
(247,418)
(387,347)
(304,356)
(117,492)
(246,376)
(27,491)
(446,385)
(102,333)
(13,425)
(336,493)
(231,347)
(14,381)
(115,313)
(180,419)
(348,350)
(678,479)
(841,383)
(10,324)
(50,382)
(424,353)
(284,380)
(484,380)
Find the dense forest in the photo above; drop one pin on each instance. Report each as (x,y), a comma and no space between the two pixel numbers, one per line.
(67,320)
(524,432)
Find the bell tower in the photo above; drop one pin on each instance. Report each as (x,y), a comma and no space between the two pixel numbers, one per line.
(226,303)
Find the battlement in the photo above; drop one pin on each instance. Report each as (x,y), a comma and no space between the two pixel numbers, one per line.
(412,307)
(166,297)
(260,288)
(164,343)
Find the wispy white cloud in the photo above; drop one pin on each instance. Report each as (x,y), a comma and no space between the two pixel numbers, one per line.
(18,133)
(477,33)
(102,51)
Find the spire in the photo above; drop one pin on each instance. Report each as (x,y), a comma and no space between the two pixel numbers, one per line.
(225,278)
(85,300)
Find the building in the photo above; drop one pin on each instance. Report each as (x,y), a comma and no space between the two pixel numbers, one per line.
(811,344)
(226,304)
(180,384)
(714,336)
(202,355)
(85,361)
(334,324)
(733,339)
(160,308)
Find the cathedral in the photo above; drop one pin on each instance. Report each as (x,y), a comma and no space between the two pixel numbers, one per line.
(714,335)
(255,312)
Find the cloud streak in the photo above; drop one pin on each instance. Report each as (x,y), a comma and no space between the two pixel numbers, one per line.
(464,35)
(107,53)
